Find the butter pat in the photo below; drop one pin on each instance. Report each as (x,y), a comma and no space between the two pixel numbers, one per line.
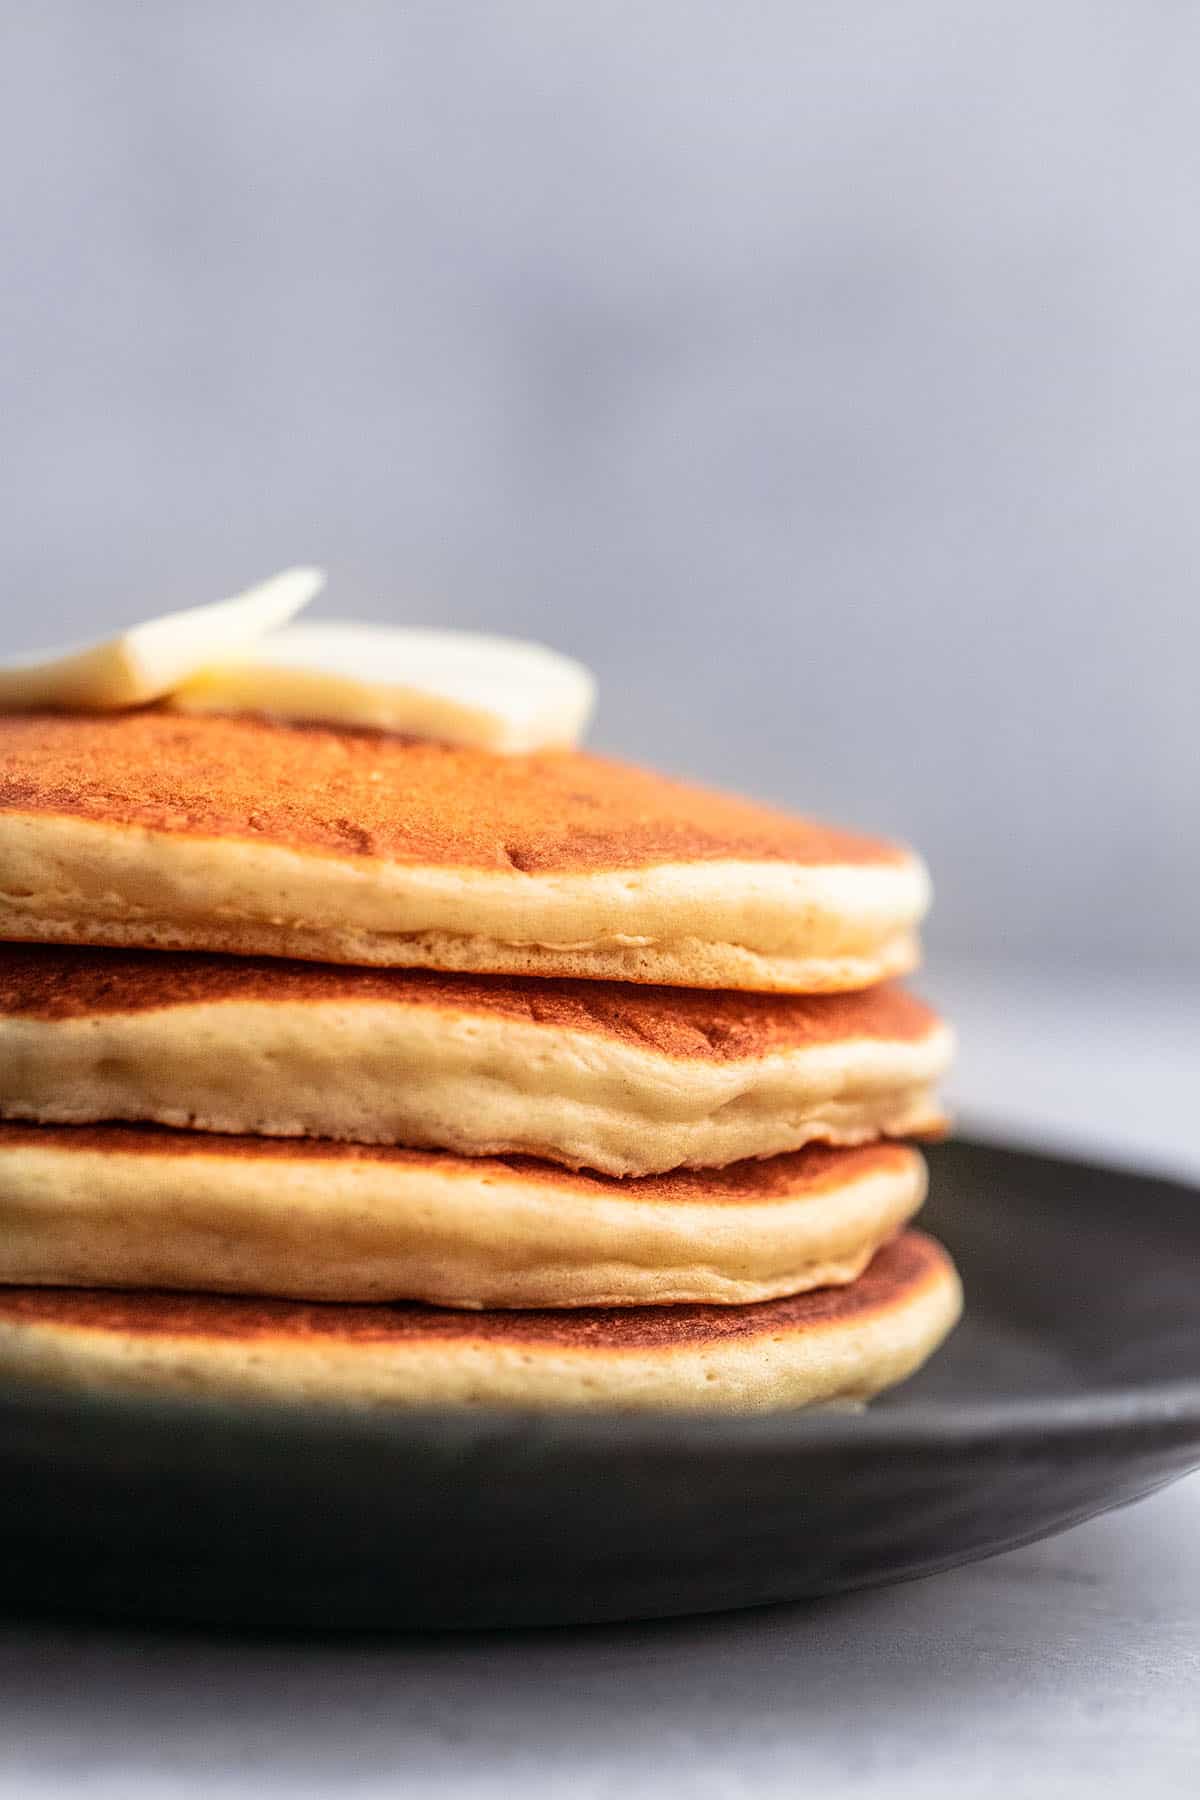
(152,659)
(455,686)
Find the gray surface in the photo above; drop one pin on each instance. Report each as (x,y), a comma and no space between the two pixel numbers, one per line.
(1071,1668)
(825,374)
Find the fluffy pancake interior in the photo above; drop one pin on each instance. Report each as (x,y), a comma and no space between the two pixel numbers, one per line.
(129,1206)
(622,1080)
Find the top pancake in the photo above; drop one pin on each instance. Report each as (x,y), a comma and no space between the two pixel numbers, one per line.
(149,829)
(364,793)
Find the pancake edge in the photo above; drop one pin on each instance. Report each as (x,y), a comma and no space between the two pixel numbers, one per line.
(765,926)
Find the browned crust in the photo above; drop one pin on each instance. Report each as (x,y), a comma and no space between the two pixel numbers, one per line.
(818,1168)
(365,794)
(910,1263)
(707,1025)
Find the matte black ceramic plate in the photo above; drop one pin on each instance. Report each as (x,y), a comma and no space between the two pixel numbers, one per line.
(1073,1385)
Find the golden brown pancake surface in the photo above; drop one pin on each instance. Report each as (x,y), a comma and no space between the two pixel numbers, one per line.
(815,1168)
(901,1268)
(233,835)
(40,982)
(366,794)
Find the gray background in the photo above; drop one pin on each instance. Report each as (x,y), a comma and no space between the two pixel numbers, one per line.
(824,374)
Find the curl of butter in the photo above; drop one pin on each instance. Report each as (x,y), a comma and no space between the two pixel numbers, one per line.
(458,687)
(153,659)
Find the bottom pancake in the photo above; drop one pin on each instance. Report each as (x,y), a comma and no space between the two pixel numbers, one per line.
(137,1207)
(832,1344)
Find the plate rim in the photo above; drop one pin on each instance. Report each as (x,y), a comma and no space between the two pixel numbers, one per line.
(1163,1413)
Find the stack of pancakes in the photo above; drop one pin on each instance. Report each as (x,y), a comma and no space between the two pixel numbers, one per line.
(340,1065)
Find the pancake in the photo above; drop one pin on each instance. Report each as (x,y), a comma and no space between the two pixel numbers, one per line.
(152,830)
(623,1079)
(134,1207)
(832,1344)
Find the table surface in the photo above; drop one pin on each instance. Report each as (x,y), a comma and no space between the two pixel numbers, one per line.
(1071,1667)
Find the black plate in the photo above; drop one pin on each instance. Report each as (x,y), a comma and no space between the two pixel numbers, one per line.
(1073,1385)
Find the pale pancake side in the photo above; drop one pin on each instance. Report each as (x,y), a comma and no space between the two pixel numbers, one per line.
(831,1344)
(255,838)
(136,1207)
(624,1080)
